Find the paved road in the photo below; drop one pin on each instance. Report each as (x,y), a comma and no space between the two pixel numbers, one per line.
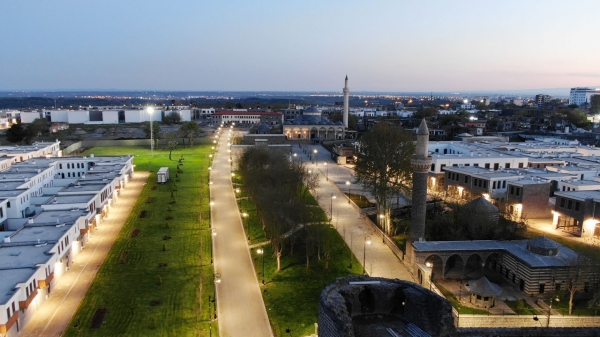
(240,307)
(380,260)
(56,313)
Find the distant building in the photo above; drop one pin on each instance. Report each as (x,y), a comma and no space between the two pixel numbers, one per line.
(248,117)
(541,100)
(581,95)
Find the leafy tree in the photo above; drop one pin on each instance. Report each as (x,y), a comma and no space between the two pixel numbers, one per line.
(16,133)
(425,113)
(172,118)
(383,164)
(189,130)
(37,127)
(578,118)
(595,105)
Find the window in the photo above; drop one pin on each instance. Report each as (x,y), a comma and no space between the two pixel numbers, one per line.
(485,184)
(507,165)
(487,165)
(562,202)
(577,205)
(442,167)
(494,185)
(8,204)
(496,166)
(520,165)
(504,184)
(433,167)
(466,179)
(512,190)
(569,204)
(518,190)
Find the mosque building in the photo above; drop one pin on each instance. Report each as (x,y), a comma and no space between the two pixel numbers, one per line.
(312,125)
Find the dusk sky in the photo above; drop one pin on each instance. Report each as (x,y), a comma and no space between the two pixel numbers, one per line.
(307,45)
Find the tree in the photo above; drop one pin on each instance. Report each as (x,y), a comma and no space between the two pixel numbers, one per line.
(595,105)
(425,113)
(189,130)
(171,143)
(16,133)
(580,270)
(383,163)
(172,118)
(37,127)
(577,117)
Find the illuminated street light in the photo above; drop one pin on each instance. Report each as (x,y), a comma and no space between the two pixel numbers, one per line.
(331,207)
(326,171)
(262,252)
(150,110)
(367,242)
(244,216)
(348,184)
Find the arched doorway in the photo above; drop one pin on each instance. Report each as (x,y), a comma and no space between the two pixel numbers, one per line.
(454,267)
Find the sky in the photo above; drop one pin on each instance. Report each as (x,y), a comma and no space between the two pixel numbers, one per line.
(299,45)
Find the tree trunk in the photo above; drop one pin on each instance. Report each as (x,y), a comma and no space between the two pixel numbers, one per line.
(326,263)
(278,262)
(307,260)
(171,151)
(571,295)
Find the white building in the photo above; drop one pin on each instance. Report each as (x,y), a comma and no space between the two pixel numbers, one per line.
(582,95)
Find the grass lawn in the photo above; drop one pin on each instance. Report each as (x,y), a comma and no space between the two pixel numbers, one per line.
(361,201)
(521,307)
(292,295)
(158,283)
(461,308)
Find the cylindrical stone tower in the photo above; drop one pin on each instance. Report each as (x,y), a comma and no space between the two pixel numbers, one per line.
(346,102)
(420,162)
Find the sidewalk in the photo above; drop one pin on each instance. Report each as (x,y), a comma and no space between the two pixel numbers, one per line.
(55,314)
(240,307)
(380,261)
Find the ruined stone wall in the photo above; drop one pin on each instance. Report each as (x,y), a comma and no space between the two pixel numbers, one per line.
(341,302)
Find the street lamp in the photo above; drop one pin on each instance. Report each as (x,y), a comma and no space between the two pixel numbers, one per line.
(550,310)
(367,242)
(432,275)
(262,252)
(348,184)
(326,171)
(382,224)
(245,215)
(331,207)
(315,156)
(150,111)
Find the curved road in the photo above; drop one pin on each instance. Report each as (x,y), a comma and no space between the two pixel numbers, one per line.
(240,307)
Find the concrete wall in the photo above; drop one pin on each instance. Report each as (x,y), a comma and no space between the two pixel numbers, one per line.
(120,142)
(513,321)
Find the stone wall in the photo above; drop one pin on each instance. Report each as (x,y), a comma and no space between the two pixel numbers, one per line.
(345,301)
(513,321)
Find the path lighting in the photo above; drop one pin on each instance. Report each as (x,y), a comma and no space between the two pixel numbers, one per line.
(212,202)
(245,215)
(217,278)
(150,110)
(367,242)
(550,310)
(315,156)
(214,142)
(432,276)
(211,182)
(210,168)
(237,190)
(348,184)
(331,207)
(327,171)
(262,252)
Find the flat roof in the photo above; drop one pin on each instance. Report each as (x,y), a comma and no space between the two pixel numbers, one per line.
(71,199)
(82,188)
(517,249)
(23,255)
(10,278)
(580,195)
(43,233)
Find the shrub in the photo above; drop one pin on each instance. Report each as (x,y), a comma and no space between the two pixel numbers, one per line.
(167,224)
(164,247)
(159,280)
(170,208)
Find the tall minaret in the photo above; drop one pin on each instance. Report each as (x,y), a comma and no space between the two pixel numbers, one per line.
(346,100)
(420,162)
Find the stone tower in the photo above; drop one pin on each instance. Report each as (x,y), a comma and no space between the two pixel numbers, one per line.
(346,102)
(420,162)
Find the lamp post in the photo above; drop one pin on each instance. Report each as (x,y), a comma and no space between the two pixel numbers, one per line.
(367,242)
(382,224)
(262,252)
(331,207)
(213,233)
(550,310)
(244,216)
(315,156)
(432,275)
(348,184)
(150,111)
(326,171)
(217,279)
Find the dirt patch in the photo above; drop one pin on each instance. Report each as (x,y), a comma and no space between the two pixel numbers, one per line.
(98,318)
(135,233)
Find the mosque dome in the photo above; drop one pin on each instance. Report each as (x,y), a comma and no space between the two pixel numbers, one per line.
(481,218)
(312,111)
(543,246)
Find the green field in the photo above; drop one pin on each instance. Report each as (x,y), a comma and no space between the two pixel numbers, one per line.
(158,283)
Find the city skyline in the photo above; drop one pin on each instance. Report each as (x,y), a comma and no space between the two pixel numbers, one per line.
(383,46)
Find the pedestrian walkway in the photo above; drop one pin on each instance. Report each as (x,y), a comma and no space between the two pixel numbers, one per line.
(55,314)
(240,307)
(379,260)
